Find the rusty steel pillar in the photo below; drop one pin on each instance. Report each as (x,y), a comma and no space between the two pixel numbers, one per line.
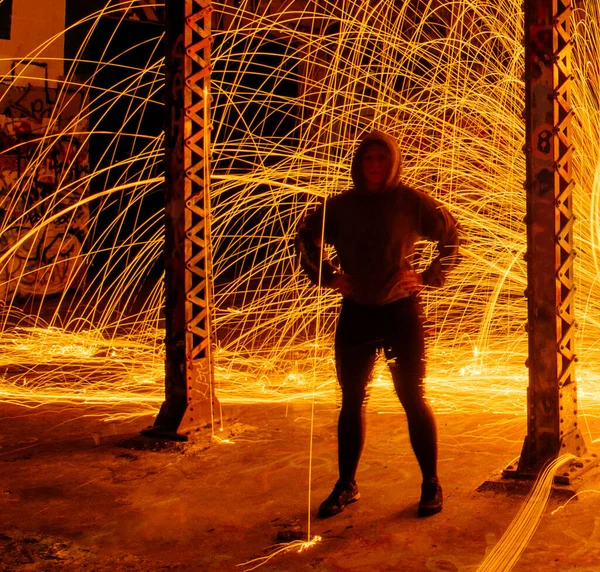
(552,426)
(189,393)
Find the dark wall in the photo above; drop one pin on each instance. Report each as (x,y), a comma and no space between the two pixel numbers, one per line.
(5,19)
(131,108)
(75,11)
(108,62)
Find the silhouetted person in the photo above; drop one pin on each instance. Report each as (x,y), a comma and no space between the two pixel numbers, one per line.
(374,227)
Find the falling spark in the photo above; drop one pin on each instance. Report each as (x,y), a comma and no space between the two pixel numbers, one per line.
(292,94)
(509,548)
(301,545)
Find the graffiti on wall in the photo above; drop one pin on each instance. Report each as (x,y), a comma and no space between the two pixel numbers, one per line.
(43,164)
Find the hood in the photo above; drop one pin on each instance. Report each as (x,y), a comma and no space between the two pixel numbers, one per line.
(381,138)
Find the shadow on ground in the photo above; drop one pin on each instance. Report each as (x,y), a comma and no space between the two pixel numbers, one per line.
(81,494)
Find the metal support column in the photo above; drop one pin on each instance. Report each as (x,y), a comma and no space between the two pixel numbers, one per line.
(552,427)
(189,392)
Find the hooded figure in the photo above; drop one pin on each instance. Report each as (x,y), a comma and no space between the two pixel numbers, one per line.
(373,228)
(374,232)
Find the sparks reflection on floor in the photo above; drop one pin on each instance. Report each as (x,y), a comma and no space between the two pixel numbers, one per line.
(284,134)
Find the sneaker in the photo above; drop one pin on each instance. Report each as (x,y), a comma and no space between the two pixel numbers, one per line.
(343,493)
(431,498)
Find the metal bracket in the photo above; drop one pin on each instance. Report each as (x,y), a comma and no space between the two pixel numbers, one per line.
(565,475)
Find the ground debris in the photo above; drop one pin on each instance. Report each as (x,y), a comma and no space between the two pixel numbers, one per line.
(197,441)
(290,531)
(35,552)
(24,551)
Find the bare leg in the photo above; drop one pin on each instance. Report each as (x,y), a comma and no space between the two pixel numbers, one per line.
(354,356)
(405,352)
(421,422)
(354,369)
(355,353)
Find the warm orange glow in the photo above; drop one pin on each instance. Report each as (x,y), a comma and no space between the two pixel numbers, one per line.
(290,102)
(300,545)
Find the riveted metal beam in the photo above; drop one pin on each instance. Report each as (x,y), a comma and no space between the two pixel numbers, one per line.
(190,401)
(552,426)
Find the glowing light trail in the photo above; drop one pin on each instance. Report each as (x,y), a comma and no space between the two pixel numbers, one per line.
(301,545)
(509,548)
(293,92)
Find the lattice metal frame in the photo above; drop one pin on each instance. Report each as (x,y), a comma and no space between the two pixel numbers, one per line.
(198,276)
(552,426)
(189,369)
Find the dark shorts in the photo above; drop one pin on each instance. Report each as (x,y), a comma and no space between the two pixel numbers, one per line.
(395,328)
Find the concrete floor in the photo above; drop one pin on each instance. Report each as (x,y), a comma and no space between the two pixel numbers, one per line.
(80,494)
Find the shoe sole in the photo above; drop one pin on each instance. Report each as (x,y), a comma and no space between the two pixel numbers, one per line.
(423,512)
(327,514)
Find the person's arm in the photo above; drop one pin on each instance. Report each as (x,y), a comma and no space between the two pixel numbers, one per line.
(310,250)
(439,226)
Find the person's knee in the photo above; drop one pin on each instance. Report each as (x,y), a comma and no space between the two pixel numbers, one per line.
(408,385)
(417,408)
(411,402)
(352,402)
(412,397)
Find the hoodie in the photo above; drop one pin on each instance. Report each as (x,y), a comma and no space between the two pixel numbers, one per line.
(374,233)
